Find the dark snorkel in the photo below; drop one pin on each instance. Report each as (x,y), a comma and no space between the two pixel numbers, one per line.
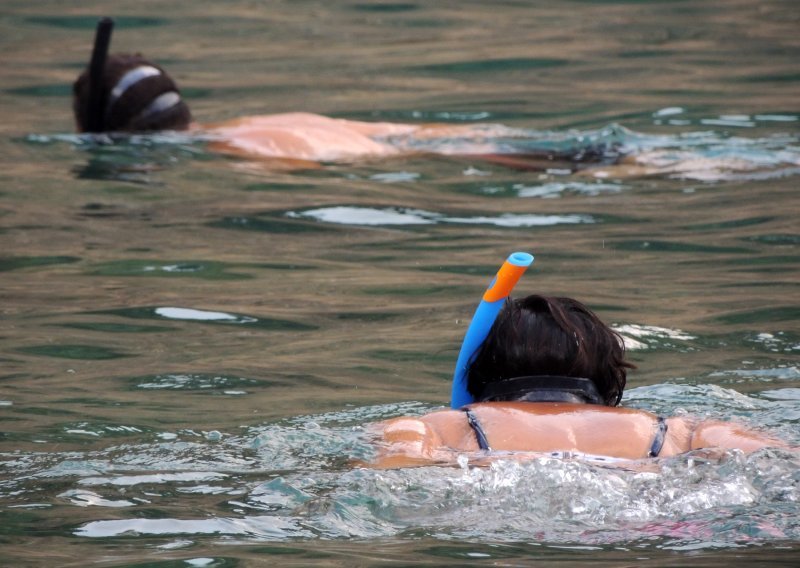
(96,101)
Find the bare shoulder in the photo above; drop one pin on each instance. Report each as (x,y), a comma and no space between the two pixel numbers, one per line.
(435,438)
(430,428)
(312,120)
(378,129)
(286,119)
(686,433)
(404,442)
(404,429)
(732,435)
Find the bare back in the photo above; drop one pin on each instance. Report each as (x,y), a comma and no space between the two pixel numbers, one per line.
(546,427)
(303,136)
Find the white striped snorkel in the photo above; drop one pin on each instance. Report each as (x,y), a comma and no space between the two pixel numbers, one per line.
(95,102)
(485,315)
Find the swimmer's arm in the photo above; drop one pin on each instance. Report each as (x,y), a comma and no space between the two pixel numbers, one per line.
(530,162)
(406,442)
(730,435)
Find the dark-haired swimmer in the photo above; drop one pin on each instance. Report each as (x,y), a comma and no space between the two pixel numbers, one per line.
(127,93)
(548,379)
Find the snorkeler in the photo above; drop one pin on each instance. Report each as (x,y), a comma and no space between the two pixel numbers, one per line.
(548,379)
(126,93)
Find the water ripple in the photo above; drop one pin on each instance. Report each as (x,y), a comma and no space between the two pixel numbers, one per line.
(368,216)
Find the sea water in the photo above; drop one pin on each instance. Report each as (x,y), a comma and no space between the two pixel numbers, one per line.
(193,346)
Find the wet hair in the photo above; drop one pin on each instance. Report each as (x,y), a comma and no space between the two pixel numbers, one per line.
(540,336)
(136,96)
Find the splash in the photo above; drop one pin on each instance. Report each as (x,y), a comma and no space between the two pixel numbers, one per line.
(689,500)
(637,336)
(297,479)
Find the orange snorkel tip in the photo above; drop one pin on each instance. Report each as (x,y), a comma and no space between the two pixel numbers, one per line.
(508,276)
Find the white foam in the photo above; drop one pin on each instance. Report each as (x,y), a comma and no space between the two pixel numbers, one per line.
(262,526)
(632,333)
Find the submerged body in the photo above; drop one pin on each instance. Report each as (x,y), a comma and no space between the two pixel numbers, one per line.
(302,136)
(317,138)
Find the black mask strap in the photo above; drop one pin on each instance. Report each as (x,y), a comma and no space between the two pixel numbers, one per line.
(542,388)
(95,102)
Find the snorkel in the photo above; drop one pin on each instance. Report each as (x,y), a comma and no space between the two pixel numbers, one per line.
(95,102)
(485,315)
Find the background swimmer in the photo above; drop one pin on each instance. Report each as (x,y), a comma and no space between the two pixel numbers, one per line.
(127,93)
(549,378)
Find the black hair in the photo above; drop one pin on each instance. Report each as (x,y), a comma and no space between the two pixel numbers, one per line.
(135,108)
(539,335)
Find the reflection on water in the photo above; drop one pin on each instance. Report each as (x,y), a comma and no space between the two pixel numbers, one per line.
(192,344)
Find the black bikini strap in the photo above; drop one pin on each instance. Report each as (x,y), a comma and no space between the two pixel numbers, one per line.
(480,435)
(658,440)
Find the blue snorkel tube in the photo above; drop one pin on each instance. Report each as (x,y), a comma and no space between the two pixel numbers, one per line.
(491,303)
